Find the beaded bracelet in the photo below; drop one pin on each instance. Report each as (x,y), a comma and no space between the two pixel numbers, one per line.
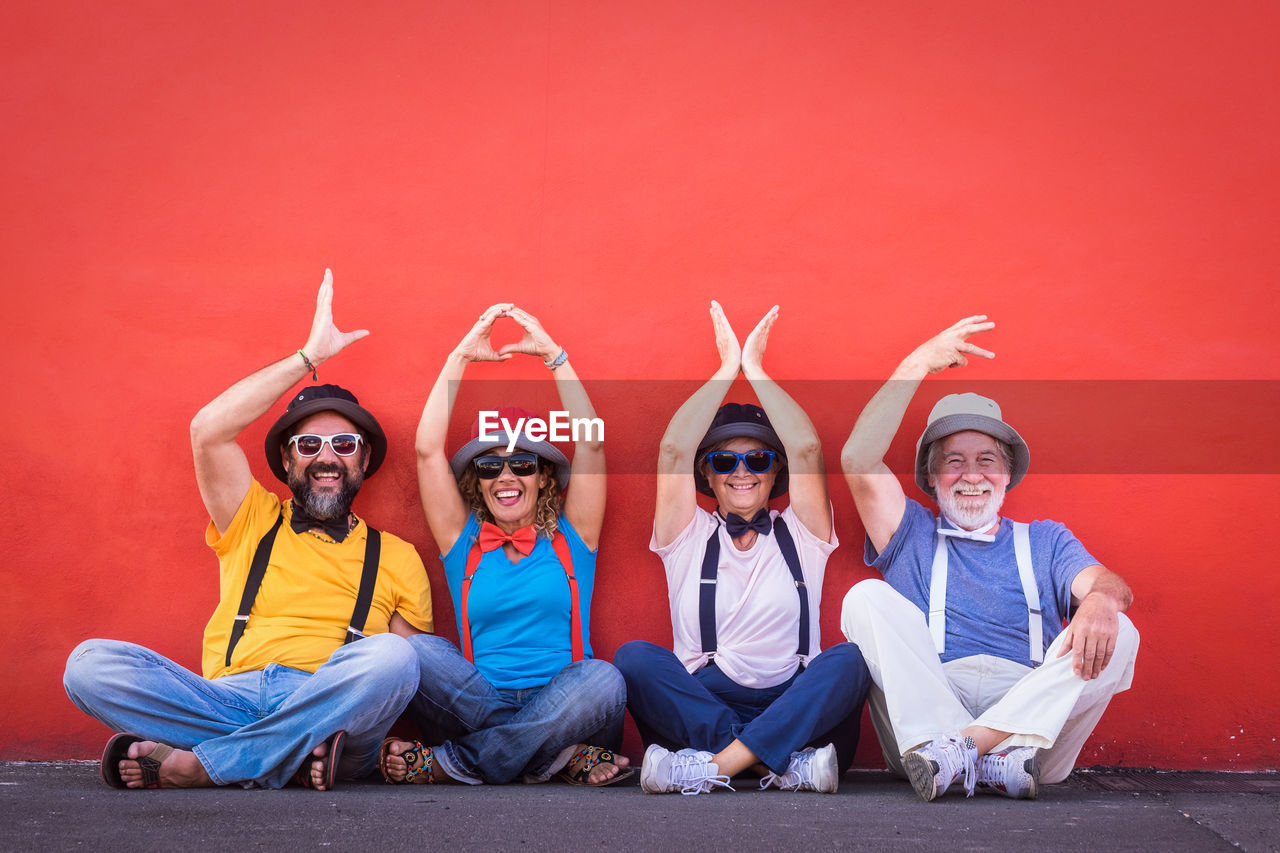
(310,366)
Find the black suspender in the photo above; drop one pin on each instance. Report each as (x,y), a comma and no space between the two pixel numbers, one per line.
(792,558)
(368,580)
(258,569)
(707,587)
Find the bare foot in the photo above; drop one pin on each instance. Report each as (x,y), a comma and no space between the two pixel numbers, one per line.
(179,769)
(602,772)
(317,765)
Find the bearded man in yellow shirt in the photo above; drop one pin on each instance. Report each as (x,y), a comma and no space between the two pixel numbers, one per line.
(305,663)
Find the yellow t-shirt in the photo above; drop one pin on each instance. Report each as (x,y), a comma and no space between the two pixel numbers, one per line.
(304,605)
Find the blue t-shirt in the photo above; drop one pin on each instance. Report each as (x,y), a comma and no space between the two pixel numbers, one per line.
(519,612)
(986,610)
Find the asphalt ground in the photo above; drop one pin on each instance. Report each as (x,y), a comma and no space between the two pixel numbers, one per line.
(64,806)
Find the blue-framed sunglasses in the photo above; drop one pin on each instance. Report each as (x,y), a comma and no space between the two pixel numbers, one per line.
(726,461)
(521,464)
(309,444)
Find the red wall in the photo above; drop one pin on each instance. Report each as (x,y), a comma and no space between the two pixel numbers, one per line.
(1098,176)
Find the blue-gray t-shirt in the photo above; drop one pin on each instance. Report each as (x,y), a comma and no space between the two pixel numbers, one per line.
(986,610)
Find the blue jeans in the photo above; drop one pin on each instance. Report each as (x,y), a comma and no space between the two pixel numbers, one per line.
(494,736)
(251,728)
(706,710)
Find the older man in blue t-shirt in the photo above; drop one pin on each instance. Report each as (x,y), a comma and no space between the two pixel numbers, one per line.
(976,679)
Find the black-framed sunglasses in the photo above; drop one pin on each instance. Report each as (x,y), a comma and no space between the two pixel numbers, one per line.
(521,464)
(309,444)
(726,461)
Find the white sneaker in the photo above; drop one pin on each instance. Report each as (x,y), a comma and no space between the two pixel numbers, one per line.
(933,767)
(809,770)
(687,771)
(1014,772)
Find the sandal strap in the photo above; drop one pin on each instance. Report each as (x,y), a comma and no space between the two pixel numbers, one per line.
(413,755)
(150,764)
(588,757)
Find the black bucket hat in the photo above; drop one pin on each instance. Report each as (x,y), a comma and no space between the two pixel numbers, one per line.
(325,398)
(740,420)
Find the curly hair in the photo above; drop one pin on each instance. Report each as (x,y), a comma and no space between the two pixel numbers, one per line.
(547,512)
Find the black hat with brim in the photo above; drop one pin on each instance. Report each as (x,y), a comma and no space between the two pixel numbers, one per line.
(740,420)
(325,398)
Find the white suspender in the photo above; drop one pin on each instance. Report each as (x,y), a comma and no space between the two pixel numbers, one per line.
(1030,590)
(938,596)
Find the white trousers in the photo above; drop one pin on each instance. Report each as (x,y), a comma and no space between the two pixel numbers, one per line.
(917,698)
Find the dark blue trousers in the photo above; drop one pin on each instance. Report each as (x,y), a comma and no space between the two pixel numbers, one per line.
(707,710)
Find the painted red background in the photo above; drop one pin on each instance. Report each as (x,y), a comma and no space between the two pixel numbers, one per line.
(1099,177)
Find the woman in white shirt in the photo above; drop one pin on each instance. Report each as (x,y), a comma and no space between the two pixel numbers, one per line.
(745,688)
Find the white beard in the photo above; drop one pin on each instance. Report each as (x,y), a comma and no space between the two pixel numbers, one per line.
(971,516)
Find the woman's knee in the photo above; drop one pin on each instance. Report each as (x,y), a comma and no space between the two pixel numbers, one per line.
(603,680)
(634,657)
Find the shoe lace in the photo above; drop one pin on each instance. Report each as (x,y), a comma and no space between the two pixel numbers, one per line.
(695,775)
(969,753)
(994,767)
(795,776)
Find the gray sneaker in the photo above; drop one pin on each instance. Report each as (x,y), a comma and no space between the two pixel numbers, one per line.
(809,770)
(1014,772)
(687,771)
(933,767)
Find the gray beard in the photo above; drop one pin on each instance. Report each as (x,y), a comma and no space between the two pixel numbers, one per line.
(325,506)
(971,519)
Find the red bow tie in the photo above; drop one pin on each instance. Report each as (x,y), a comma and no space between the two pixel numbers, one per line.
(492,536)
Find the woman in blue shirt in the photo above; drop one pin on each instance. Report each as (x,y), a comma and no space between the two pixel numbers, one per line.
(523,698)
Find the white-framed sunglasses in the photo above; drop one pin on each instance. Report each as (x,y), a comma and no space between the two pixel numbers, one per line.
(309,444)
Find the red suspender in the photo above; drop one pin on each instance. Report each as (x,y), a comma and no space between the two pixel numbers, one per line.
(561,547)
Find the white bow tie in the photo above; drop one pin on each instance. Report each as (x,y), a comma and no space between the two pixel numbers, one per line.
(957,533)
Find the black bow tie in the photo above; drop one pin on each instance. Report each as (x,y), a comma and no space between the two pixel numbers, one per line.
(301,521)
(761,523)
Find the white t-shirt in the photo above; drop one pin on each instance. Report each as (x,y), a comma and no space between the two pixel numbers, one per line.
(757,606)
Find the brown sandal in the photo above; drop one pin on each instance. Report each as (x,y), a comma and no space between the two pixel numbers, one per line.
(118,750)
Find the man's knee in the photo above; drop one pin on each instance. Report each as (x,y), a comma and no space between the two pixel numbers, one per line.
(390,656)
(1128,639)
(863,602)
(84,667)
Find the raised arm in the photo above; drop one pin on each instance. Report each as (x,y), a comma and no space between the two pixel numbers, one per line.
(807,488)
(876,491)
(222,469)
(585,500)
(677,493)
(441,500)
(1099,595)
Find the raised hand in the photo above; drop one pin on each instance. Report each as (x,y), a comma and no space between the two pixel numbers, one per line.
(536,341)
(951,347)
(476,344)
(753,349)
(326,340)
(726,341)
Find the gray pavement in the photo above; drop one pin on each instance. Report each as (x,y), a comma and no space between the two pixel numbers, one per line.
(65,807)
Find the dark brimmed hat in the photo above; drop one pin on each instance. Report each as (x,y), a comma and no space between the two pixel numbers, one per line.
(962,412)
(500,438)
(740,420)
(325,398)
